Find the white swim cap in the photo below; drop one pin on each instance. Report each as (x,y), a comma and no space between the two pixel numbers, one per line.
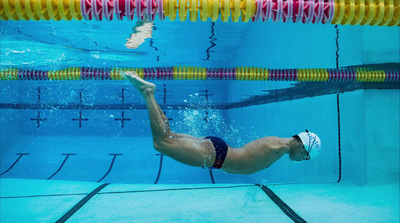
(311,143)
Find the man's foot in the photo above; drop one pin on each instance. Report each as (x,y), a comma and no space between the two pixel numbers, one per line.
(141,85)
(143,30)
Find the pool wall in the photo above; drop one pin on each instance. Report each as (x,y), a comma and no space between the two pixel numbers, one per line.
(370,142)
(382,135)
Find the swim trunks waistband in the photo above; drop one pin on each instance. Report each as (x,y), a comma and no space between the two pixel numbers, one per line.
(221,149)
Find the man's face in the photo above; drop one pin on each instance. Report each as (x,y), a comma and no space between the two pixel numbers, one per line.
(299,154)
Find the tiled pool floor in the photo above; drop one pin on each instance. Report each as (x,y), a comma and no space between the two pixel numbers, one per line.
(26,200)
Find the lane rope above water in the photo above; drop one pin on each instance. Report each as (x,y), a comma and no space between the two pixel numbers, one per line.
(349,12)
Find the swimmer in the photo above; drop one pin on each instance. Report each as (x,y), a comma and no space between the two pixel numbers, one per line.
(141,31)
(213,152)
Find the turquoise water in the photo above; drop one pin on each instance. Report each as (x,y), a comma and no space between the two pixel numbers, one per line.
(100,148)
(53,45)
(196,107)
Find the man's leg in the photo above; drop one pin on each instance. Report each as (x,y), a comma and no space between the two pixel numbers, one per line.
(188,150)
(164,117)
(174,135)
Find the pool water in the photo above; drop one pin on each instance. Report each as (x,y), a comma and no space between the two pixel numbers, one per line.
(82,150)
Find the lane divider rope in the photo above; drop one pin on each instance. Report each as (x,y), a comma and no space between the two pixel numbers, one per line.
(201,73)
(345,12)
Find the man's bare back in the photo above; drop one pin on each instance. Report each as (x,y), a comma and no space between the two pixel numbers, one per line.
(258,155)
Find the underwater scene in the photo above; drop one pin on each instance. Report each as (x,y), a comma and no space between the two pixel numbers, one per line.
(199,111)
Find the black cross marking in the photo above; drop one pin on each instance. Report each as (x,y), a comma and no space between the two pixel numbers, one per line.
(38,89)
(80,119)
(165,94)
(206,94)
(122,119)
(165,101)
(38,119)
(122,96)
(39,92)
(169,119)
(206,118)
(80,97)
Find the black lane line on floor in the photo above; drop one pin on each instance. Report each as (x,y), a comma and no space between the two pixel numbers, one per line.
(212,176)
(112,164)
(128,192)
(62,164)
(80,204)
(160,168)
(282,205)
(20,156)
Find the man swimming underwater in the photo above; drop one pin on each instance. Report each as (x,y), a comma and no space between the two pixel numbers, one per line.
(213,152)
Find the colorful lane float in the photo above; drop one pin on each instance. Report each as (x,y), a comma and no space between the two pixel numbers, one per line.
(345,12)
(201,73)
